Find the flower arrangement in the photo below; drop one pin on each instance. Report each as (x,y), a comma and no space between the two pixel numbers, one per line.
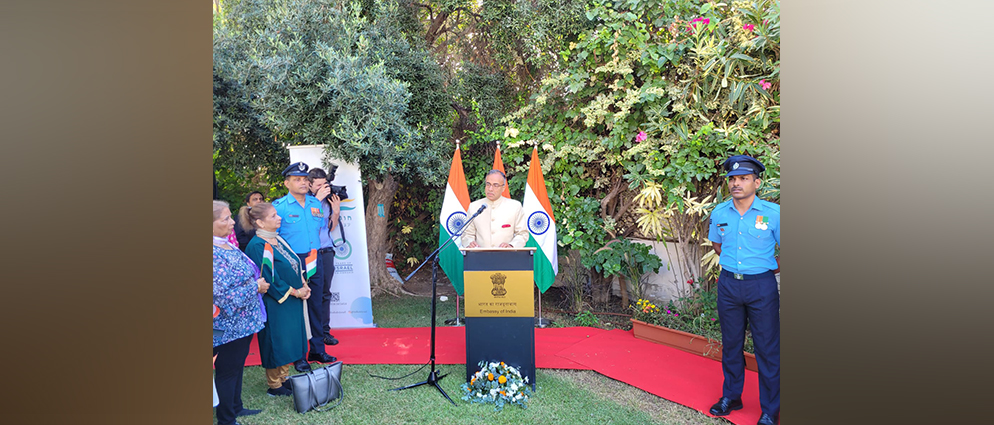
(498,383)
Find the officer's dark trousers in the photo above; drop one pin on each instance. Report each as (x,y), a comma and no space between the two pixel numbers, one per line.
(327,259)
(317,310)
(754,301)
(228,370)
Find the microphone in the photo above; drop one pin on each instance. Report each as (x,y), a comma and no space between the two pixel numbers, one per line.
(482,207)
(470,220)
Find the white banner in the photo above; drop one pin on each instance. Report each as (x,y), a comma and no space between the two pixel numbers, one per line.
(351,305)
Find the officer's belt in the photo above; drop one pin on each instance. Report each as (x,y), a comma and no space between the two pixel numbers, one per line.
(324,250)
(739,276)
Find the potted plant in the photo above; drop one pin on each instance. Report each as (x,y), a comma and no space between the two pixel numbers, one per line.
(690,325)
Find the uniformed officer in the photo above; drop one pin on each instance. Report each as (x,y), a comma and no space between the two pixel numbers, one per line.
(744,231)
(301,219)
(501,224)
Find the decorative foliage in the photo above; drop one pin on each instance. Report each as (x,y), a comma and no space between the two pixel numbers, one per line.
(497,383)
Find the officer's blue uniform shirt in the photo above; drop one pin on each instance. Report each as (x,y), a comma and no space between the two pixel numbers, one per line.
(747,241)
(300,224)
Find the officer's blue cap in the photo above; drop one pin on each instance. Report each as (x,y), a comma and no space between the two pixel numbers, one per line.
(296,169)
(740,165)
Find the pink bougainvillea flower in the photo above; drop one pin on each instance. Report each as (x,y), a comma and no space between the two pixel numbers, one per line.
(693,22)
(749,27)
(765,85)
(641,137)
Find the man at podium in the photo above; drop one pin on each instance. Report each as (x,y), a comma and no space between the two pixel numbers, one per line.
(501,224)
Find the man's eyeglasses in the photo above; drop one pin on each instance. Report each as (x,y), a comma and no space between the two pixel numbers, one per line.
(495,186)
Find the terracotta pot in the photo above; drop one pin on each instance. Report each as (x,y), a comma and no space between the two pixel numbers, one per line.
(688,342)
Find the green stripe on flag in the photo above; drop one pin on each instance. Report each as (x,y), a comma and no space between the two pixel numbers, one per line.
(451,261)
(544,275)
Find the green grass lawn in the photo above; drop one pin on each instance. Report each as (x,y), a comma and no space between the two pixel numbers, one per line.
(562,396)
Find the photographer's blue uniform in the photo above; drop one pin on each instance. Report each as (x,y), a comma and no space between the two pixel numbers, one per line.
(326,256)
(747,289)
(299,227)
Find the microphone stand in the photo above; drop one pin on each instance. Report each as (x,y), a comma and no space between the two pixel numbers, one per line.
(433,377)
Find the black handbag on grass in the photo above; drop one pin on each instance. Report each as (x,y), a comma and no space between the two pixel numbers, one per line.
(317,388)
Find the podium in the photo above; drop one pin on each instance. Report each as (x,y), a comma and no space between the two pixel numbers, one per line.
(499,289)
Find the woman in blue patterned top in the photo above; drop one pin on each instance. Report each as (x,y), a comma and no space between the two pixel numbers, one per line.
(237,291)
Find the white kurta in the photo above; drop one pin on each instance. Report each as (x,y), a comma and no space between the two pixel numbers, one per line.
(502,221)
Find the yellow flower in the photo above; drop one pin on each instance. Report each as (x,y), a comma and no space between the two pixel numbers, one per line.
(502,379)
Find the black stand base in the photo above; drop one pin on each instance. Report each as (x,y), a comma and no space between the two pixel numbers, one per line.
(454,322)
(433,379)
(542,323)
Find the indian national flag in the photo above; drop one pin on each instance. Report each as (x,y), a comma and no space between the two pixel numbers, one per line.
(541,226)
(267,257)
(453,215)
(499,166)
(312,264)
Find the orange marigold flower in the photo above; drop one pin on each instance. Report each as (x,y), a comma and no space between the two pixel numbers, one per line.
(502,379)
(490,376)
(502,392)
(472,381)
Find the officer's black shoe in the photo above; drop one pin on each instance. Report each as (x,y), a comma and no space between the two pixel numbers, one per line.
(768,420)
(248,412)
(301,366)
(725,406)
(330,340)
(321,357)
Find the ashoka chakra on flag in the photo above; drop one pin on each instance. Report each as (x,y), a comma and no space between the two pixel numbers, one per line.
(538,222)
(455,222)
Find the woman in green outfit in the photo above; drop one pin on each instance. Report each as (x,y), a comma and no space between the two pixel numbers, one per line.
(284,338)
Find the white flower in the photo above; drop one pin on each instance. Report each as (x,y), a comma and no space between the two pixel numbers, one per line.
(514,387)
(493,391)
(510,132)
(548,147)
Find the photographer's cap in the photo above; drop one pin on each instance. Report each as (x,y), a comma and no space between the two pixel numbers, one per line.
(740,165)
(296,169)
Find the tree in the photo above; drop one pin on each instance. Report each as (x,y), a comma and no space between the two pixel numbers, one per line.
(244,149)
(336,73)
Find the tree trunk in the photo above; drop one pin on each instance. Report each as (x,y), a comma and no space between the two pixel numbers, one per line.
(600,289)
(380,193)
(623,287)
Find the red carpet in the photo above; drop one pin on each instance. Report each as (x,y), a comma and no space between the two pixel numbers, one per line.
(412,346)
(684,378)
(680,377)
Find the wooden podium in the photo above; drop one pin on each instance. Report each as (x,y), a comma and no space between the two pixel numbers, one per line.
(499,287)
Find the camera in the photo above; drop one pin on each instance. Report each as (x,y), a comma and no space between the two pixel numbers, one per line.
(336,190)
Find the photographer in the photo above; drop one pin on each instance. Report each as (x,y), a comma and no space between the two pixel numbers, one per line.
(330,208)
